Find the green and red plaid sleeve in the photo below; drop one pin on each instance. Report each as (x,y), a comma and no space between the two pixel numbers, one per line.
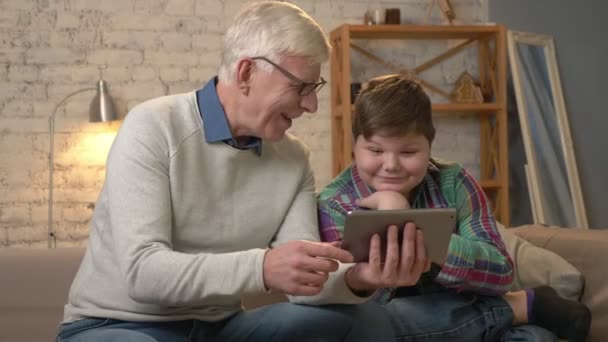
(477,259)
(336,200)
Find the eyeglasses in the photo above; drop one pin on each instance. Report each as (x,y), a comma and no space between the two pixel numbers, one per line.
(305,87)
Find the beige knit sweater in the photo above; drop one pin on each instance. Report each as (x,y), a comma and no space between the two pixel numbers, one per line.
(181,226)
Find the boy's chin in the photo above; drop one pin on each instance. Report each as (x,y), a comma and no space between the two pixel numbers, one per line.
(391,187)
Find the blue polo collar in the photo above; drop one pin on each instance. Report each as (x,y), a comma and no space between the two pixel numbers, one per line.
(215,123)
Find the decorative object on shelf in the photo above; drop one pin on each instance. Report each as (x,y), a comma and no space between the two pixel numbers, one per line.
(393,16)
(373,17)
(101,110)
(367,18)
(466,90)
(414,72)
(446,10)
(553,181)
(487,92)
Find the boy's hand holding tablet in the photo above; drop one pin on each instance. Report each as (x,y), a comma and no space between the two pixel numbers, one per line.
(387,245)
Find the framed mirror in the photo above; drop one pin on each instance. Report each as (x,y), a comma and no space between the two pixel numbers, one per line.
(552,175)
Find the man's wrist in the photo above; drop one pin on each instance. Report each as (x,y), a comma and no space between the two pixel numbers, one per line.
(264,276)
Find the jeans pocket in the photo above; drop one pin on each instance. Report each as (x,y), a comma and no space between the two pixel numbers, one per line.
(70,329)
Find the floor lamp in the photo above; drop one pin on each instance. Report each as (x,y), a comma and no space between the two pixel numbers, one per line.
(102,110)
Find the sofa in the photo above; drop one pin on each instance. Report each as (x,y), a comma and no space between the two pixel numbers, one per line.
(35,282)
(587,250)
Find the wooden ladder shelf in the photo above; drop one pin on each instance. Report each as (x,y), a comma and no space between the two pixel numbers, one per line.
(492,59)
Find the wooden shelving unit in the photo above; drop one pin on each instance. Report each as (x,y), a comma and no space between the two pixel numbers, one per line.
(492,59)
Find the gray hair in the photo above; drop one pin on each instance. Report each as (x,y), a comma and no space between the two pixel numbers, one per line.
(272,29)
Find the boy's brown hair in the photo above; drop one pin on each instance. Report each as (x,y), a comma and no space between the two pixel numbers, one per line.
(393,105)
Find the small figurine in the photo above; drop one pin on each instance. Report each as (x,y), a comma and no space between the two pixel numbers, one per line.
(466,90)
(446,10)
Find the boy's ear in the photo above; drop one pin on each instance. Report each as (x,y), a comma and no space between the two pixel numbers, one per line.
(245,71)
(352,152)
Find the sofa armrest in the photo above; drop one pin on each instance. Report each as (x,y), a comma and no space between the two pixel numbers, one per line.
(587,250)
(34,288)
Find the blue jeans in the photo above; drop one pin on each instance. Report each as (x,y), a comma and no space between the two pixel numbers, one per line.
(277,322)
(445,316)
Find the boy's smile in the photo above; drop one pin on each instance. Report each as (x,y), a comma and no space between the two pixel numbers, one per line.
(392,163)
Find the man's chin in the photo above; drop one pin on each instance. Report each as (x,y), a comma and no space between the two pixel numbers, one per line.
(276,136)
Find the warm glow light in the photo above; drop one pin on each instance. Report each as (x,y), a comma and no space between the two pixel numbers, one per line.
(92,148)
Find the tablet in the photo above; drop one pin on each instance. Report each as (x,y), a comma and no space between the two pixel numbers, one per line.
(437,225)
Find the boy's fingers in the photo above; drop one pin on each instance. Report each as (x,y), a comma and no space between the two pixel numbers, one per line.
(421,259)
(367,202)
(408,247)
(391,259)
(420,249)
(374,252)
(427,267)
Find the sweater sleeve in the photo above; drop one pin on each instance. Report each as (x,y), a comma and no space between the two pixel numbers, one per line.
(140,217)
(477,258)
(301,224)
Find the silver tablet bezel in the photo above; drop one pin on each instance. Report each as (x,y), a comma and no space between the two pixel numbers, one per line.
(436,224)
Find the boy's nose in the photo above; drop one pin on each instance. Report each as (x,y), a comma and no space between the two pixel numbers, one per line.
(391,163)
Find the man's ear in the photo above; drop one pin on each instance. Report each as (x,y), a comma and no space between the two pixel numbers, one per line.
(244,75)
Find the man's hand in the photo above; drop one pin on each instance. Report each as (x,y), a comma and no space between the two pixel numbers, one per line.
(401,268)
(384,200)
(302,267)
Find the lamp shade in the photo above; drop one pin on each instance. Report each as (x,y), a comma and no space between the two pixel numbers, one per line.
(102,107)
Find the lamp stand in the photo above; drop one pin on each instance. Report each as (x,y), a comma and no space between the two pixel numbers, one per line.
(52,240)
(102,110)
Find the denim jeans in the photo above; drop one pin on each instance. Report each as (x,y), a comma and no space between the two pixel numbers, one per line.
(277,322)
(445,316)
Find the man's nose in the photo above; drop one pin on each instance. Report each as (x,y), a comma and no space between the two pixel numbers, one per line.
(309,102)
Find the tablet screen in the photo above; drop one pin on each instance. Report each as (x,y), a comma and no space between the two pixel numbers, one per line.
(437,225)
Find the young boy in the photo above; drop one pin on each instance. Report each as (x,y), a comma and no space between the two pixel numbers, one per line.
(466,298)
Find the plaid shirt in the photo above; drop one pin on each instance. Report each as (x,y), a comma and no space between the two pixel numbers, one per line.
(477,259)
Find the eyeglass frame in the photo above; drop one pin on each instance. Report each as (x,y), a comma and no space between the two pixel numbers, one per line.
(316,86)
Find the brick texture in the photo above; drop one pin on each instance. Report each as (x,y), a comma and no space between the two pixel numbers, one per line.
(144,49)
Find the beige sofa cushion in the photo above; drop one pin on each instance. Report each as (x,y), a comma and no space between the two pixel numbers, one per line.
(535,266)
(587,250)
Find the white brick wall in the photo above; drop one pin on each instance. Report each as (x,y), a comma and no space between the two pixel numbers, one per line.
(144,49)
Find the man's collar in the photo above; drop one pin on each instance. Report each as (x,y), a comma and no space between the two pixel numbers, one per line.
(362,189)
(215,123)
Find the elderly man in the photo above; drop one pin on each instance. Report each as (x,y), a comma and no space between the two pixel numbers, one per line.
(207,199)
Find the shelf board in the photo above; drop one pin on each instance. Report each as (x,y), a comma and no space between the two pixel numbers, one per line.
(466,107)
(420,31)
(460,108)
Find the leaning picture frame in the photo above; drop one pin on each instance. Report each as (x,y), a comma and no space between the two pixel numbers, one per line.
(552,176)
